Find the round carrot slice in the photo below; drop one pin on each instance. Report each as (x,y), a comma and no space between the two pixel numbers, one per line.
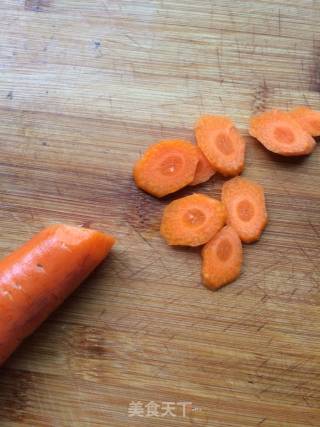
(281,134)
(166,167)
(192,220)
(221,143)
(245,204)
(204,170)
(308,119)
(222,258)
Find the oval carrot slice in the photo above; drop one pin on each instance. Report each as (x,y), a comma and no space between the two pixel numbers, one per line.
(222,258)
(245,204)
(204,170)
(192,220)
(221,143)
(308,119)
(166,167)
(281,134)
(39,276)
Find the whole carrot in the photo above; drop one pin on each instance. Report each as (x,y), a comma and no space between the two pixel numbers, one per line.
(40,275)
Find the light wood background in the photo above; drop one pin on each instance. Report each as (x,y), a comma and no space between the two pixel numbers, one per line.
(85,87)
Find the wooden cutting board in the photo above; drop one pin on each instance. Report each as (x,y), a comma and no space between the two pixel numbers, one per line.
(85,87)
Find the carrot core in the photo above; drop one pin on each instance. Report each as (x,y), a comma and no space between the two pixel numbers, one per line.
(245,210)
(284,135)
(171,165)
(224,144)
(224,250)
(194,218)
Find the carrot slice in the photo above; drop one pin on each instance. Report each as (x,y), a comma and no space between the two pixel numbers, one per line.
(36,278)
(245,204)
(166,167)
(204,170)
(221,143)
(192,220)
(222,258)
(281,134)
(308,119)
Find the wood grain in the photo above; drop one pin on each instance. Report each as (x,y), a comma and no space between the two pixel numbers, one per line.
(85,86)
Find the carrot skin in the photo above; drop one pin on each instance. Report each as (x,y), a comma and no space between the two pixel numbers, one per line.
(36,278)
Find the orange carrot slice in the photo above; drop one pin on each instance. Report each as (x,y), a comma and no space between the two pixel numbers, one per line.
(204,170)
(221,143)
(308,119)
(192,220)
(166,167)
(222,258)
(245,204)
(281,134)
(36,278)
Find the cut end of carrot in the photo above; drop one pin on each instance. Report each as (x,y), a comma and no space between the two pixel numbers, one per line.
(204,170)
(192,220)
(308,119)
(222,258)
(281,134)
(73,235)
(166,167)
(245,204)
(221,143)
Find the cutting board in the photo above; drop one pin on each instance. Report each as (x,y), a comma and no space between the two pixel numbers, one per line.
(85,87)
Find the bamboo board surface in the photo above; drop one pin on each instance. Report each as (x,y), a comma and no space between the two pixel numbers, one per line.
(85,87)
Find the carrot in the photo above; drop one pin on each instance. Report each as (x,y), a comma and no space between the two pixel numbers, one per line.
(308,119)
(166,167)
(245,204)
(37,277)
(221,143)
(281,134)
(192,220)
(222,258)
(204,170)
